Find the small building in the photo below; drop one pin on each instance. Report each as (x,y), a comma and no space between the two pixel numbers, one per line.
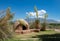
(21,26)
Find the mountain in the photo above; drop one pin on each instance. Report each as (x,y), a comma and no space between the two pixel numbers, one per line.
(42,20)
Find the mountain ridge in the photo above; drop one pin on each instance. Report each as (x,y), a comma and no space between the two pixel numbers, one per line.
(42,20)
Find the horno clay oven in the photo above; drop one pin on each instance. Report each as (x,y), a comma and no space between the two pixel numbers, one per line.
(21,25)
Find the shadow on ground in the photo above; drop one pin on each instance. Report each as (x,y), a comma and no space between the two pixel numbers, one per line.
(46,37)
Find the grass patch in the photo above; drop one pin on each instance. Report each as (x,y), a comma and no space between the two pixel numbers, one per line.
(29,35)
(36,36)
(18,40)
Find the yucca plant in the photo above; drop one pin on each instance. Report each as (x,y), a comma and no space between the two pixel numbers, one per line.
(44,23)
(27,17)
(37,21)
(5,32)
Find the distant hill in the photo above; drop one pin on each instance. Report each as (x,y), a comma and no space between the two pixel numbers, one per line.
(42,20)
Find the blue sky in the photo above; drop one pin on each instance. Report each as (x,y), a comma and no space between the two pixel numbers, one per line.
(20,7)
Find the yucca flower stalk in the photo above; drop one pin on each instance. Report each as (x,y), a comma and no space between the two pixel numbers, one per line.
(36,11)
(37,21)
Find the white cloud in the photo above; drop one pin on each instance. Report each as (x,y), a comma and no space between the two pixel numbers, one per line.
(32,13)
(40,13)
(41,16)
